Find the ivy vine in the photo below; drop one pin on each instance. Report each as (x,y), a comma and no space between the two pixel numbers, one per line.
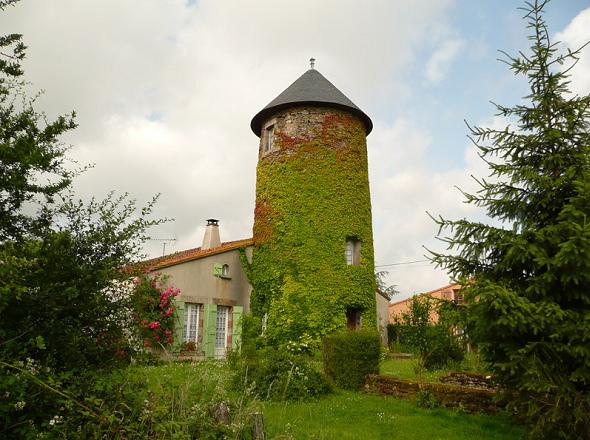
(312,194)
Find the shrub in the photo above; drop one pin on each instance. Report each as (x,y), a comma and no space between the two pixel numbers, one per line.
(443,349)
(277,374)
(153,310)
(350,355)
(393,333)
(426,399)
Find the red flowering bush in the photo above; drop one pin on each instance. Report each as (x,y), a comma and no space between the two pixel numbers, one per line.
(153,302)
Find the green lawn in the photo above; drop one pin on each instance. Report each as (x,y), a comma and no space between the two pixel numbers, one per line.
(341,416)
(350,415)
(406,368)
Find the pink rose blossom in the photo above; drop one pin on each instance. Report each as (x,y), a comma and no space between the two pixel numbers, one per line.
(154,324)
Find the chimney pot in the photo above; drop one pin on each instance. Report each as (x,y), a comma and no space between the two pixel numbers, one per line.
(211,238)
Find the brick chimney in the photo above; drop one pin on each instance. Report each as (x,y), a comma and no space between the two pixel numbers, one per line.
(211,238)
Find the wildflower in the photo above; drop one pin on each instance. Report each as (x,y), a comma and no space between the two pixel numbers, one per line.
(55,420)
(19,405)
(154,324)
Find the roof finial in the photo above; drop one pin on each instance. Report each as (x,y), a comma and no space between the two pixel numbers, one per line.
(312,62)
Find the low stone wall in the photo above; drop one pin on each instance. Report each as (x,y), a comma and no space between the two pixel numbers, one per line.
(471,380)
(451,396)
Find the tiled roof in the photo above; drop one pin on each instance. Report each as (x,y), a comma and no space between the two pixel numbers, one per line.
(194,254)
(448,286)
(311,88)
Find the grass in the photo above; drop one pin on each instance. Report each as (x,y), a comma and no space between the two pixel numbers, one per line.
(350,415)
(406,368)
(342,416)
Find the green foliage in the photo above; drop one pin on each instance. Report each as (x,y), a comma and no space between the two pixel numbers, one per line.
(66,311)
(277,374)
(528,279)
(153,310)
(170,401)
(426,399)
(312,193)
(64,306)
(433,342)
(350,355)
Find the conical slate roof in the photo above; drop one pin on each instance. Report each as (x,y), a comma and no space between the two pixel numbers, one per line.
(311,88)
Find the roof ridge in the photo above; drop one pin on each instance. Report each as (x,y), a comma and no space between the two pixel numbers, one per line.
(194,254)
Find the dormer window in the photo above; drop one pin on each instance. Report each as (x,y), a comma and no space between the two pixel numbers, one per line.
(353,251)
(269,138)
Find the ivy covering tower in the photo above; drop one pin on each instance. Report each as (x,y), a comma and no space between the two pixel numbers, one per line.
(312,269)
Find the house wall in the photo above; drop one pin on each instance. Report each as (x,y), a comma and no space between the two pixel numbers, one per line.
(382,316)
(450,292)
(198,284)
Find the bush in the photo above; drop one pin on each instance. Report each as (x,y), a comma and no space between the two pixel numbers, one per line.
(277,374)
(350,355)
(393,333)
(426,399)
(444,349)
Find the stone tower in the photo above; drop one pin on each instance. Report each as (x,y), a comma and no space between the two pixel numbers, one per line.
(312,268)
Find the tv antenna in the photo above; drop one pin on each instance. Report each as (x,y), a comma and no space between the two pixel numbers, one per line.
(165,242)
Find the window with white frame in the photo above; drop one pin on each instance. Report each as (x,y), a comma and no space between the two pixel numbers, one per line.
(221,327)
(353,251)
(191,322)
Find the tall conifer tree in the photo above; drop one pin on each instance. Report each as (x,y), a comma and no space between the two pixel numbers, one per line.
(527,276)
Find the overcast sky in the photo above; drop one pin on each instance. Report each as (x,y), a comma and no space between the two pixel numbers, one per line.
(165,90)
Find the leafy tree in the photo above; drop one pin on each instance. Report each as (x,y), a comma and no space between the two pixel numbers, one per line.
(64,309)
(32,159)
(432,342)
(527,277)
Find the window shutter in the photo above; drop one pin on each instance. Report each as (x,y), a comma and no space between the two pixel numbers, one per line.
(210,316)
(236,340)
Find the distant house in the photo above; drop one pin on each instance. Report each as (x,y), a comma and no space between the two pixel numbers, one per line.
(451,292)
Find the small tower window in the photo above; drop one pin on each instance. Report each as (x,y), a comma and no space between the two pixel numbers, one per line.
(353,251)
(269,140)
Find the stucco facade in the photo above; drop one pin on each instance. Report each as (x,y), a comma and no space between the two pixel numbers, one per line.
(450,292)
(214,294)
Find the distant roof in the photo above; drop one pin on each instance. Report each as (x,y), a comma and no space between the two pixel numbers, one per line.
(440,289)
(311,88)
(194,254)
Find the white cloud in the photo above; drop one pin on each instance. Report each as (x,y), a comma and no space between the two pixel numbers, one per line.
(574,36)
(404,187)
(165,92)
(439,63)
